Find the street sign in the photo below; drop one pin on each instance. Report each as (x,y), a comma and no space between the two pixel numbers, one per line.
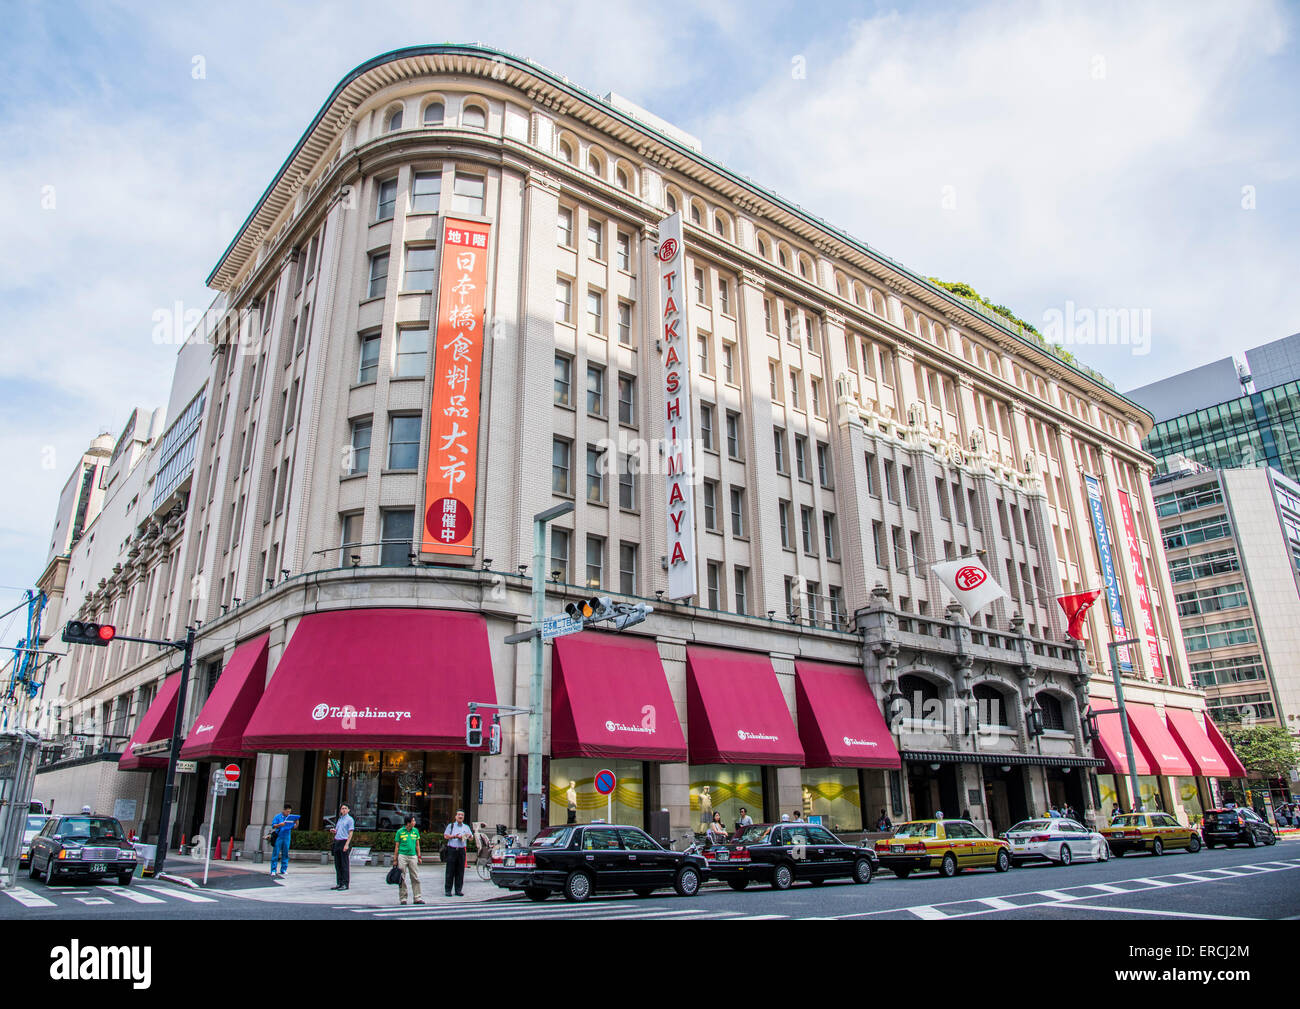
(559,625)
(186,766)
(232,772)
(219,786)
(605,782)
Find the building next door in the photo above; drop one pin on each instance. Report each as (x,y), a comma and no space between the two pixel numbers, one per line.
(1004,796)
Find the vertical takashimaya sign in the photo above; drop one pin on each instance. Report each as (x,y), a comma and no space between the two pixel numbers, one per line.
(674,334)
(1144,599)
(1102,531)
(451,475)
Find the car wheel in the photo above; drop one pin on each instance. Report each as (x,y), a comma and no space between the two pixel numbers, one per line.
(1272,838)
(32,871)
(1157,847)
(577,887)
(1003,864)
(1104,854)
(901,873)
(1117,852)
(49,872)
(1066,856)
(1252,840)
(644,891)
(125,879)
(536,892)
(948,867)
(1209,844)
(687,883)
(738,884)
(1231,844)
(1194,845)
(782,877)
(862,871)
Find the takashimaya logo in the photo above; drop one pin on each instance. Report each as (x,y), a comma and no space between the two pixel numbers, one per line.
(850,741)
(667,250)
(969,577)
(647,722)
(349,714)
(203,728)
(320,712)
(741,734)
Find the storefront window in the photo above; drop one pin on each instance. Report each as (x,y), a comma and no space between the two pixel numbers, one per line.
(382,788)
(1108,790)
(1190,796)
(724,788)
(1149,787)
(831,797)
(574,799)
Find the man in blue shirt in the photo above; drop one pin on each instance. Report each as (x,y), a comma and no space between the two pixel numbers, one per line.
(343,828)
(285,821)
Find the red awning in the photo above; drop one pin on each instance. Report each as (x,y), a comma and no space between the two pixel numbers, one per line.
(388,679)
(609,698)
(156,726)
(736,711)
(1235,767)
(1152,736)
(1109,745)
(1196,745)
(840,721)
(219,729)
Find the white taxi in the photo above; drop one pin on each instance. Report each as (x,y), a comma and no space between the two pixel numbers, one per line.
(1055,840)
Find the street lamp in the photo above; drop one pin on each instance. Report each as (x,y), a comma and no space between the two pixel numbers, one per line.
(1113,648)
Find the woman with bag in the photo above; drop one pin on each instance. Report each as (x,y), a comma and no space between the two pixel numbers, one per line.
(406,861)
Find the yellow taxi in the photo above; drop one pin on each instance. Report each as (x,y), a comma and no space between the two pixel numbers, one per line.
(1153,832)
(947,846)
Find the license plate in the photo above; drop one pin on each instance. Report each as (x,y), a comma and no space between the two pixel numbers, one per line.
(510,861)
(99,867)
(1019,844)
(896,848)
(724,856)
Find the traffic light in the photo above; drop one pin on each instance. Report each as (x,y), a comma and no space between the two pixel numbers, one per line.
(494,739)
(79,632)
(588,611)
(474,731)
(629,615)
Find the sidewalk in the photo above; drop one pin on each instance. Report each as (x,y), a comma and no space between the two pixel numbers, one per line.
(310,884)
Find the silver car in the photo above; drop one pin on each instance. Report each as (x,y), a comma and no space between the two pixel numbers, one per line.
(1055,840)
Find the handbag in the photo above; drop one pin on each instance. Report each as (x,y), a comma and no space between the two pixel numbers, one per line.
(394,876)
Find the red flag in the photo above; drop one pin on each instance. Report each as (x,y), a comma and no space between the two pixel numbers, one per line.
(1076,608)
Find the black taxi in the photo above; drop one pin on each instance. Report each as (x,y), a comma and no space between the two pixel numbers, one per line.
(581,859)
(81,847)
(781,853)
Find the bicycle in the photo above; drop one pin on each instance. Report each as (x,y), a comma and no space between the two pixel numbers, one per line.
(488,849)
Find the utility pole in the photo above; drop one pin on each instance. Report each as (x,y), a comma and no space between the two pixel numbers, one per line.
(535,701)
(1113,648)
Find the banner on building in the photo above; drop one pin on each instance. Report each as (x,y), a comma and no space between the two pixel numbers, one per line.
(1144,599)
(674,334)
(1101,531)
(969,582)
(451,475)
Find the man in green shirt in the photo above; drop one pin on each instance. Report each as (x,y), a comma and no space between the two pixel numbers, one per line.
(406,856)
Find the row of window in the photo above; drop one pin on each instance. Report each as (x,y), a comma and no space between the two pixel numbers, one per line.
(1222,635)
(1190,533)
(828,607)
(1188,500)
(1238,669)
(597,469)
(563,390)
(1213,562)
(473,114)
(594,571)
(1212,600)
(595,311)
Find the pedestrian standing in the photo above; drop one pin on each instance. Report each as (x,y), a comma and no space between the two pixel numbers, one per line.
(456,834)
(343,828)
(883,821)
(280,850)
(406,856)
(743,821)
(797,816)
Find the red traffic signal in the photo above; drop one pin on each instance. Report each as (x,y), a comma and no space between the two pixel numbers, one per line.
(81,632)
(474,731)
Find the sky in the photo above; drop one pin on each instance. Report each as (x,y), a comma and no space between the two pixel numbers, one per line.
(1060,158)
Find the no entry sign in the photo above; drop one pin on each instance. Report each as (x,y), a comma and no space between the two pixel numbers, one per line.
(605,782)
(232,772)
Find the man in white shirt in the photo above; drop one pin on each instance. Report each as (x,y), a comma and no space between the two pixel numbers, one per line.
(343,828)
(458,832)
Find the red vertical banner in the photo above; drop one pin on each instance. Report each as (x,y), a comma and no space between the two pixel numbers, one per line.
(1144,600)
(451,474)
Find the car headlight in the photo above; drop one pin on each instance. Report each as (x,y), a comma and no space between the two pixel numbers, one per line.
(69,853)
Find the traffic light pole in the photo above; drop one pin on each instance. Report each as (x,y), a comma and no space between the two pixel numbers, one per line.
(1113,648)
(164,819)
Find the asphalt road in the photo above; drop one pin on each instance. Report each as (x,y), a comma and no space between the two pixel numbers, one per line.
(1223,884)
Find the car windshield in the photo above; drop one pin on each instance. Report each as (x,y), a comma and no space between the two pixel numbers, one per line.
(552,837)
(83,828)
(1129,820)
(915,830)
(755,835)
(35,823)
(1031,825)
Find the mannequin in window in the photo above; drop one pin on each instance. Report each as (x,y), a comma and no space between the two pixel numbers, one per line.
(571,800)
(706,805)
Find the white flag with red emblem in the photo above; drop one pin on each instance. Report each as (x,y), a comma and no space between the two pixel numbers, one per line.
(969,582)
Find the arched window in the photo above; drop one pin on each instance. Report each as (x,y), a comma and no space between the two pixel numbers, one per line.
(803,266)
(623,181)
(781,258)
(720,225)
(394,121)
(859,294)
(672,203)
(878,304)
(910,685)
(697,217)
(434,114)
(909,320)
(992,706)
(474,117)
(762,248)
(1052,710)
(595,165)
(566,151)
(840,287)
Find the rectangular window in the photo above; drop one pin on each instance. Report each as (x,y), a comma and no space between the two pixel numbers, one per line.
(625,324)
(794,388)
(783,513)
(778,448)
(595,475)
(724,297)
(426,191)
(351,540)
(706,365)
(742,589)
(564,227)
(711,505)
(420,264)
(627,568)
(596,390)
(824,464)
(563,379)
(560,552)
(900,553)
(828,535)
(627,400)
(563,301)
(976,521)
(891,481)
(714,576)
(815,395)
(801,456)
(291,413)
(378,275)
(878,543)
(806,527)
(767,318)
(909,487)
(814,602)
(595,312)
(706,426)
(627,484)
(700,294)
(733,435)
(596,239)
(737,512)
(404,442)
(386,205)
(595,562)
(729,363)
(561,453)
(467,194)
(360,445)
(398,535)
(839,616)
(623,251)
(412,353)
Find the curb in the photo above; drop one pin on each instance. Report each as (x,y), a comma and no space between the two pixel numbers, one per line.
(182,880)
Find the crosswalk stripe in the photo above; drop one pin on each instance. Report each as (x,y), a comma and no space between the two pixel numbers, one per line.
(1107,888)
(1057,895)
(997,903)
(927,913)
(1148,881)
(129,894)
(94,900)
(26,898)
(772,917)
(193,898)
(1194,877)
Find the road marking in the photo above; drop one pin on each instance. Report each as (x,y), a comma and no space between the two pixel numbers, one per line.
(1055,895)
(193,898)
(772,917)
(26,898)
(926,912)
(1148,881)
(997,903)
(1194,877)
(129,894)
(1160,914)
(94,900)
(1108,888)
